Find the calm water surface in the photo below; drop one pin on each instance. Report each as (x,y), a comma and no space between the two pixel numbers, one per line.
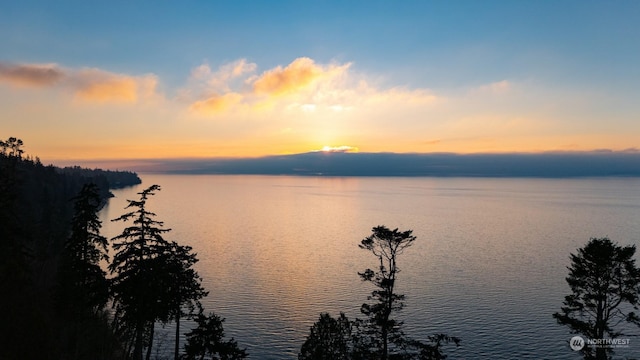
(488,265)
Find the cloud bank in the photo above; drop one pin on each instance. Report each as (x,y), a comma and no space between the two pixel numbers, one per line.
(346,163)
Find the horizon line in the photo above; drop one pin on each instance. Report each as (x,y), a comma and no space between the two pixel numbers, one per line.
(633,150)
(343,163)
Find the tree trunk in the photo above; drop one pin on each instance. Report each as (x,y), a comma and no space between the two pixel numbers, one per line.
(151,332)
(137,349)
(385,343)
(389,306)
(601,352)
(177,347)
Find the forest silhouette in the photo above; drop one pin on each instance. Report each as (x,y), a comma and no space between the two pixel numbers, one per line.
(36,214)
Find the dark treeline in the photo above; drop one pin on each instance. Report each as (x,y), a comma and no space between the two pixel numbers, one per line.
(35,222)
(114,179)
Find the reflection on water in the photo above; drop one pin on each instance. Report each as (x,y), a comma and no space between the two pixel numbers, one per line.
(488,265)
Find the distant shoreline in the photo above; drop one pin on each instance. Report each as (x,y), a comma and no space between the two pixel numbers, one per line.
(341,164)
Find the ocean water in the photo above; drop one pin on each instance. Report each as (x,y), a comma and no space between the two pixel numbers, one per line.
(488,266)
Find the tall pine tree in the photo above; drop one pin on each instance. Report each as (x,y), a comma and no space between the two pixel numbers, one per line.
(154,278)
(136,266)
(83,280)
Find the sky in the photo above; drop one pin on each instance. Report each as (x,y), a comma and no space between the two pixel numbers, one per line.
(102,80)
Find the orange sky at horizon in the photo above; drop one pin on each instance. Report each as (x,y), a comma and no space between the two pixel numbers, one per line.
(301,107)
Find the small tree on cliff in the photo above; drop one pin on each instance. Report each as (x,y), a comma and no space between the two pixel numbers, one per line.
(380,328)
(380,336)
(328,339)
(207,340)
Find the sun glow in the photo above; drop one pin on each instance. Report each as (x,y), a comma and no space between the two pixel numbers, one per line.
(342,148)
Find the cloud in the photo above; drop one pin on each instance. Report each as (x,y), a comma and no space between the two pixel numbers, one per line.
(432,142)
(87,84)
(341,149)
(347,163)
(303,86)
(298,75)
(216,104)
(220,80)
(30,75)
(96,85)
(201,72)
(306,108)
(397,96)
(499,87)
(212,92)
(240,67)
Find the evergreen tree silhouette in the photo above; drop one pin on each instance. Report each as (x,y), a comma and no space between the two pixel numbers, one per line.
(207,340)
(603,278)
(137,265)
(154,278)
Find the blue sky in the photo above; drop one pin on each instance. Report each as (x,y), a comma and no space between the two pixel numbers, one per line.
(454,42)
(569,63)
